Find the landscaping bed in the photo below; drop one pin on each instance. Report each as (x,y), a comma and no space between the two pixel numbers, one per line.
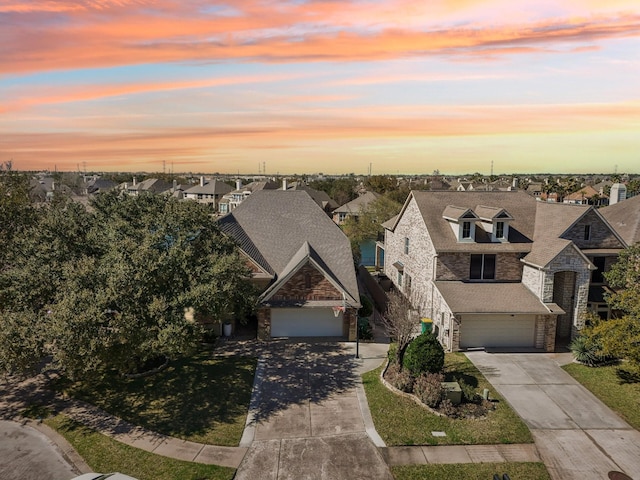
(400,421)
(615,387)
(198,398)
(104,454)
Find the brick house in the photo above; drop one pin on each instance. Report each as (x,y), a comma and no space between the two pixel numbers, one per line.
(499,269)
(302,263)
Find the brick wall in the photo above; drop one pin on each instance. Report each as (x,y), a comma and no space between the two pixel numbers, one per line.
(601,234)
(308,284)
(456,266)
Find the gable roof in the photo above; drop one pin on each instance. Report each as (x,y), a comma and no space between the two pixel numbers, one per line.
(357,204)
(624,218)
(273,226)
(215,187)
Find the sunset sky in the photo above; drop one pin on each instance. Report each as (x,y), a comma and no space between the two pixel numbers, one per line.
(333,86)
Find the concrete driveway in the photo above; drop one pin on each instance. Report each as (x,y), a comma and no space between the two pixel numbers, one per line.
(577,436)
(306,416)
(29,455)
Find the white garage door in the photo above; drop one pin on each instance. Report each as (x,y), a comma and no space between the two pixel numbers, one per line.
(305,322)
(497,331)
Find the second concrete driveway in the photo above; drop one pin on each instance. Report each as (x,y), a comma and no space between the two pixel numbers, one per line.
(306,416)
(578,437)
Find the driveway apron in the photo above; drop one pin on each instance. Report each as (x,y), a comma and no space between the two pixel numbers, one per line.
(578,437)
(306,418)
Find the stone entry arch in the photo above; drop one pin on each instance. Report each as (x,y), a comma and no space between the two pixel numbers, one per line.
(564,295)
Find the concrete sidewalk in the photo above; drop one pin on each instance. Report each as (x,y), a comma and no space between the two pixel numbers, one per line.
(526,452)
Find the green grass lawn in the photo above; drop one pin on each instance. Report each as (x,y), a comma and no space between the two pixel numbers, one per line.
(400,421)
(471,471)
(198,398)
(618,392)
(104,455)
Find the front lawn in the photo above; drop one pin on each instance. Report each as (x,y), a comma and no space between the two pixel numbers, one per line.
(400,421)
(471,471)
(618,391)
(198,398)
(104,455)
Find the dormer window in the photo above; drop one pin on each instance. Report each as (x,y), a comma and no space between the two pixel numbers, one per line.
(495,221)
(462,221)
(500,230)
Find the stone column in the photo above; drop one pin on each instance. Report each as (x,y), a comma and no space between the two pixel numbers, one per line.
(264,324)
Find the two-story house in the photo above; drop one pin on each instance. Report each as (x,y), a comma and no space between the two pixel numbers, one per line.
(208,192)
(498,269)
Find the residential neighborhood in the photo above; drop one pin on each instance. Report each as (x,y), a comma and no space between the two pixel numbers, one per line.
(278,351)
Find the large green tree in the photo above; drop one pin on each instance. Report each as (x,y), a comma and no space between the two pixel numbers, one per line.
(110,287)
(368,225)
(620,336)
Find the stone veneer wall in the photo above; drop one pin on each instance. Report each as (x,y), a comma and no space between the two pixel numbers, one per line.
(418,263)
(264,324)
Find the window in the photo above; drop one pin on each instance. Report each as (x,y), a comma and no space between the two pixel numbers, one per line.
(500,230)
(587,232)
(400,275)
(307,281)
(483,267)
(466,229)
(406,245)
(596,275)
(407,284)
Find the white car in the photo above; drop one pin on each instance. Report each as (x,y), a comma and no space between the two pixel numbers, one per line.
(104,476)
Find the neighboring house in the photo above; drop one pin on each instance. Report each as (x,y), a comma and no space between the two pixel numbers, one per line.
(234,198)
(302,263)
(585,196)
(534,189)
(354,207)
(323,200)
(624,217)
(500,269)
(150,185)
(98,185)
(208,192)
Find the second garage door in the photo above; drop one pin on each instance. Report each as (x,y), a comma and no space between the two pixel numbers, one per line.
(305,322)
(497,331)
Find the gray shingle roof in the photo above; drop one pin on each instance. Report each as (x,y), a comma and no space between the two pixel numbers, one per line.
(272,226)
(624,218)
(210,188)
(521,206)
(355,205)
(490,298)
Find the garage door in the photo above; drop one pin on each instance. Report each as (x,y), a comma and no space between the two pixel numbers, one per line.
(497,331)
(305,322)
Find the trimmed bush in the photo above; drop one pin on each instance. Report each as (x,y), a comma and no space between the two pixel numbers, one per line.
(367,307)
(469,394)
(424,355)
(364,329)
(428,388)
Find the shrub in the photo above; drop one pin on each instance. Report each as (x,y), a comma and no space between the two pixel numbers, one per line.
(428,388)
(364,329)
(447,408)
(399,378)
(469,393)
(391,354)
(586,351)
(424,355)
(367,307)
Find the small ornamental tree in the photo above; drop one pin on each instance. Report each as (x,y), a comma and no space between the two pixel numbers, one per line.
(424,355)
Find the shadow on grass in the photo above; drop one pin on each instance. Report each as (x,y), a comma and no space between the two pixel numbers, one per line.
(627,376)
(198,396)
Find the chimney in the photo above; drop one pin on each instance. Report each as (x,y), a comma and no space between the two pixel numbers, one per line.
(238,184)
(284,184)
(175,185)
(202,181)
(134,181)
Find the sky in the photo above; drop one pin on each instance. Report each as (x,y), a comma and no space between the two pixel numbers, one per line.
(332,86)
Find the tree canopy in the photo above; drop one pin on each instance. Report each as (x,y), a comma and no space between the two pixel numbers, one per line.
(110,287)
(368,225)
(620,336)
